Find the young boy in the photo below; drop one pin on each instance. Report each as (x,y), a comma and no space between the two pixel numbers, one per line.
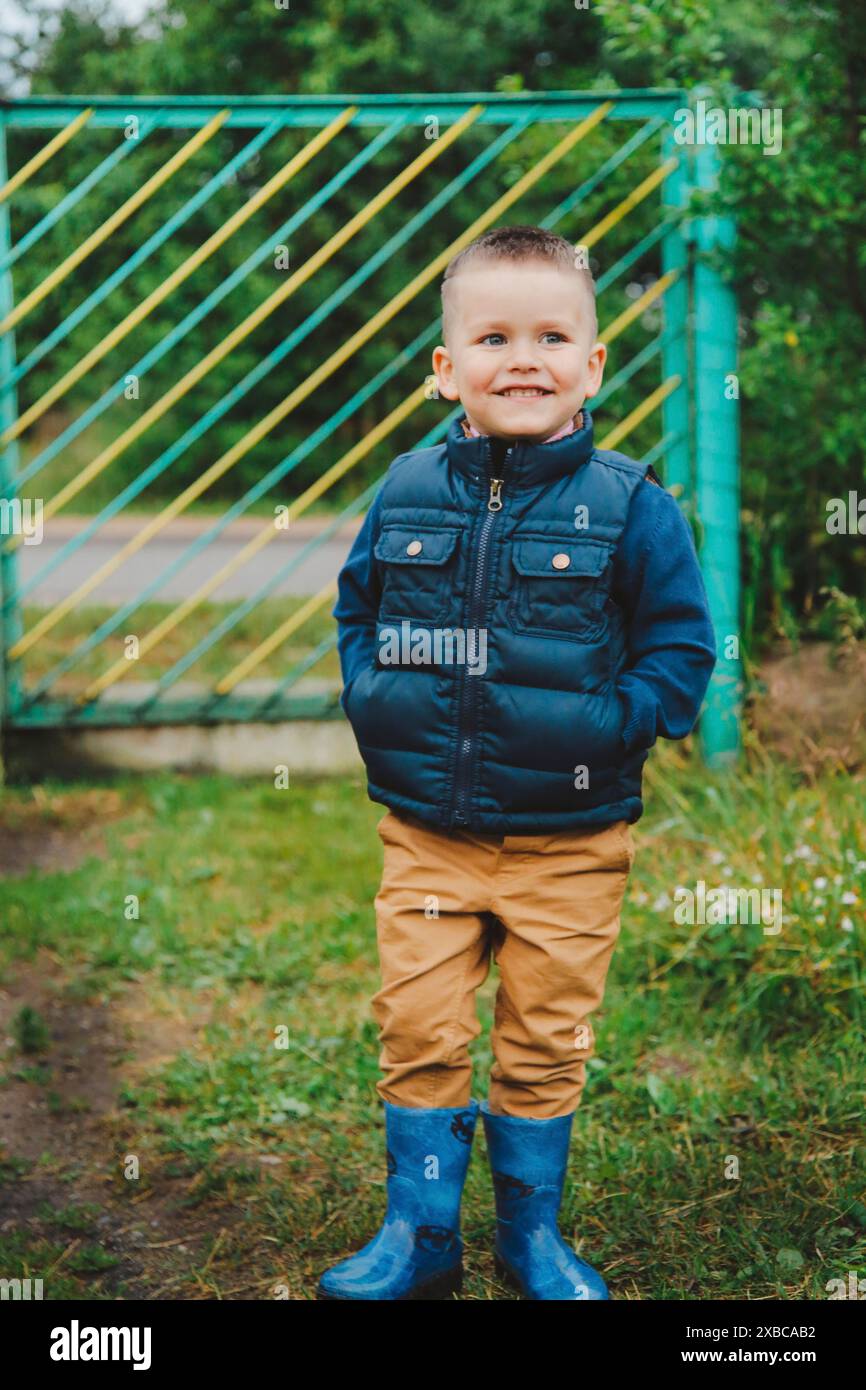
(521,616)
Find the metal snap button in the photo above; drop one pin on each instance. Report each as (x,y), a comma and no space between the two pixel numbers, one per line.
(413,548)
(561,561)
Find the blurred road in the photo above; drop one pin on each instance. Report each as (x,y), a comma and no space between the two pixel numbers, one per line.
(165,549)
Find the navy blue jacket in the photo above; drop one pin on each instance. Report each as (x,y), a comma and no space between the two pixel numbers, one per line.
(572,577)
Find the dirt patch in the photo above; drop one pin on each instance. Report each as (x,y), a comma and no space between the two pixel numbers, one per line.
(811,711)
(49,851)
(55,833)
(66,1138)
(158,1028)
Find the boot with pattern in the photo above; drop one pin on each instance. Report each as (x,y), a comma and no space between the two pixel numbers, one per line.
(418,1251)
(528,1160)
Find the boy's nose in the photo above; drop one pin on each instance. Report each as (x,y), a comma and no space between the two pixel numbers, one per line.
(522,371)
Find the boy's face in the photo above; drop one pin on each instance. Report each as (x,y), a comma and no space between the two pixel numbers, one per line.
(526,325)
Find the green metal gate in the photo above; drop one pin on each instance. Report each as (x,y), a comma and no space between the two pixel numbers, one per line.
(626,182)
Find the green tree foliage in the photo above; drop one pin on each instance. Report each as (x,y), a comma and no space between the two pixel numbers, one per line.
(798,268)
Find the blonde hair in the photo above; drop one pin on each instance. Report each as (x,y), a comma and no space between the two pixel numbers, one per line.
(519,245)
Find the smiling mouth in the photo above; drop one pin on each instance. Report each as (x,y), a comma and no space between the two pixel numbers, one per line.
(524,393)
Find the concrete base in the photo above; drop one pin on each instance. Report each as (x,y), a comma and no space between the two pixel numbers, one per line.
(306,747)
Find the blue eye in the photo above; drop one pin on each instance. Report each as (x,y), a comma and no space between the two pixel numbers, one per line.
(550,333)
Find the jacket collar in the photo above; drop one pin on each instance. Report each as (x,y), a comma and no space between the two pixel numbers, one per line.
(529,464)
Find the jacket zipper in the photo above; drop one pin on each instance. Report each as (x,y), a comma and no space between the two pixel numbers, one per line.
(476,610)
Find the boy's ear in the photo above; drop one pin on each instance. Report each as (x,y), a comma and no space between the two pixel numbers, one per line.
(444,369)
(597,359)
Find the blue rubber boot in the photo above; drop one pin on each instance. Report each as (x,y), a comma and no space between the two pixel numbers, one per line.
(418,1252)
(528,1160)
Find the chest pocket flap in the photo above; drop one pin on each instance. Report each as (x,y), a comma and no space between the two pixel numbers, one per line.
(558,588)
(406,545)
(557,559)
(417,581)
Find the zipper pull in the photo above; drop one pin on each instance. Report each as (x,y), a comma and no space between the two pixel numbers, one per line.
(494,501)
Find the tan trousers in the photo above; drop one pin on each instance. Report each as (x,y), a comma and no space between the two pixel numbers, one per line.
(547,906)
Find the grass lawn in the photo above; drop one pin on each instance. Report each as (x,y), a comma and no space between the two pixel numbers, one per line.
(158,1142)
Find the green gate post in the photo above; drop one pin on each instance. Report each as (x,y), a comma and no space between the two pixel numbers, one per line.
(676,425)
(10,618)
(717,466)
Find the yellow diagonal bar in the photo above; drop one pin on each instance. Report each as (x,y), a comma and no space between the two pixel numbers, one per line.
(158,409)
(267,534)
(119,216)
(640,413)
(169,285)
(276,639)
(357,340)
(243,329)
(635,310)
(253,437)
(636,196)
(42,156)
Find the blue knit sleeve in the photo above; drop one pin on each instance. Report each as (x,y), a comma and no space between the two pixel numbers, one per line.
(671,644)
(358,593)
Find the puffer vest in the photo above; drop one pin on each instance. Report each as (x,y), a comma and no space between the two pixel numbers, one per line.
(490,701)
